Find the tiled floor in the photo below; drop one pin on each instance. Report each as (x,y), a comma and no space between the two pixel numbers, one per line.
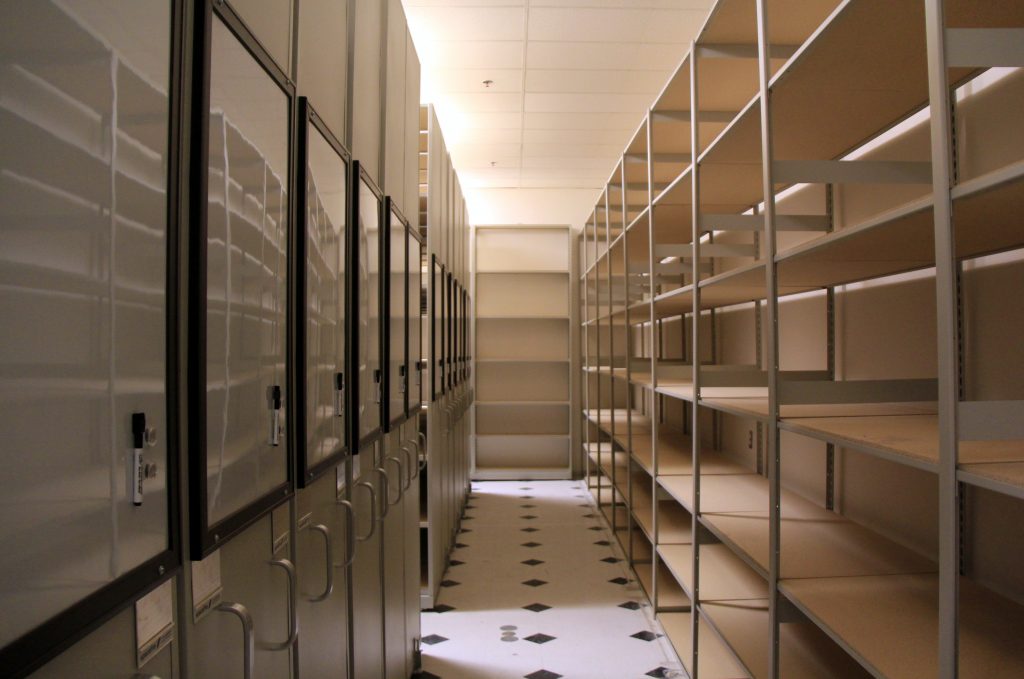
(535,590)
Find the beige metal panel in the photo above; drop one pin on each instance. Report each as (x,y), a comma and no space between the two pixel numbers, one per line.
(412,131)
(522,250)
(215,647)
(110,651)
(522,382)
(394,528)
(366,92)
(323,642)
(546,338)
(492,418)
(522,452)
(519,295)
(395,106)
(271,23)
(323,60)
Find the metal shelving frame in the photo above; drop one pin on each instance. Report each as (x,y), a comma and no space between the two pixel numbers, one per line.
(954,55)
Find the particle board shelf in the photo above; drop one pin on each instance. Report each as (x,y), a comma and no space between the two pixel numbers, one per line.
(675,456)
(723,577)
(1003,477)
(902,239)
(890,624)
(715,659)
(805,652)
(815,542)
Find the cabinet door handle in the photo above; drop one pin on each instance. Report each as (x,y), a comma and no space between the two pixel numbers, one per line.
(422,438)
(386,495)
(339,394)
(410,466)
(373,510)
(329,550)
(401,489)
(248,638)
(293,620)
(379,387)
(274,398)
(350,534)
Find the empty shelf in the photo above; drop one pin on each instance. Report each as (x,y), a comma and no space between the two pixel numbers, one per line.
(815,541)
(890,624)
(716,662)
(724,576)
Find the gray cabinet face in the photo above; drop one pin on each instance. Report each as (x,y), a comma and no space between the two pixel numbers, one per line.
(437,312)
(398,314)
(414,282)
(247,229)
(370,377)
(325,298)
(83,309)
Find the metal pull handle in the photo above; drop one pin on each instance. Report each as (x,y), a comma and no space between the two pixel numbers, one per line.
(401,488)
(350,534)
(339,394)
(373,510)
(293,619)
(386,495)
(329,551)
(402,379)
(414,469)
(378,387)
(248,638)
(274,399)
(422,438)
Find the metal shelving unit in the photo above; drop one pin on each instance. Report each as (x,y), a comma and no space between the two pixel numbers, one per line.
(835,144)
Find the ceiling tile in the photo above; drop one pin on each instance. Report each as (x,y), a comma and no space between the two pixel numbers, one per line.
(472,80)
(580,80)
(582,121)
(603,57)
(481,54)
(491,102)
(541,102)
(614,137)
(610,25)
(470,23)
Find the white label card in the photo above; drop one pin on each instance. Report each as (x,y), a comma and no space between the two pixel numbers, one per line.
(206,585)
(154,622)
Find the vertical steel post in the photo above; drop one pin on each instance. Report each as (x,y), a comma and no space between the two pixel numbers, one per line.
(695,347)
(948,371)
(769,246)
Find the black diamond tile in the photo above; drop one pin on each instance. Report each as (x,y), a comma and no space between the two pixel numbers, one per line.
(528,517)
(530,544)
(619,581)
(526,488)
(631,605)
(603,543)
(658,672)
(532,562)
(432,639)
(465,530)
(611,559)
(465,518)
(442,608)
(543,674)
(537,608)
(540,638)
(529,530)
(588,516)
(455,562)
(527,506)
(594,528)
(427,675)
(645,635)
(450,583)
(459,545)
(535,583)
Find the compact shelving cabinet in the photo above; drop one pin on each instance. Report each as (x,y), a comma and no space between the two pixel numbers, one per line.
(802,405)
(445,386)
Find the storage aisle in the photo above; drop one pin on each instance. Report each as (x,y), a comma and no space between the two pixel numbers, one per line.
(537,589)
